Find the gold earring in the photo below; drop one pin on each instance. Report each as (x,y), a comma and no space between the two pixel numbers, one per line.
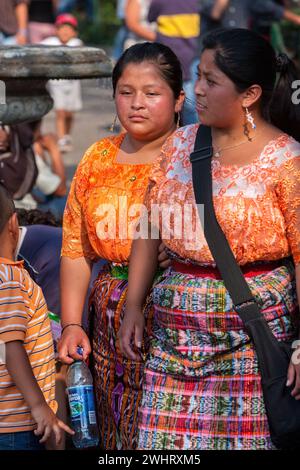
(112,127)
(178,120)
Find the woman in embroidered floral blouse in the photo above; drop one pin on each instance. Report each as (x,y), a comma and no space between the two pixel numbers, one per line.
(100,222)
(202,387)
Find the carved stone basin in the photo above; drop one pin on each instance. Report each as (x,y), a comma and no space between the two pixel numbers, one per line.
(26,70)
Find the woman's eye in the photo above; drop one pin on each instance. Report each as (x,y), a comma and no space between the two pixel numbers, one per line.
(210,82)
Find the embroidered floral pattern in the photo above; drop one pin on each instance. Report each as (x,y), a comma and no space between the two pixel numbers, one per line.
(100,180)
(257,205)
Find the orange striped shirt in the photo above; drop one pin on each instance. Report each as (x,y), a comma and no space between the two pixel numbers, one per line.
(23,317)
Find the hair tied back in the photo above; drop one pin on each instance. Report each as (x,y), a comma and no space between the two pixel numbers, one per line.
(282,63)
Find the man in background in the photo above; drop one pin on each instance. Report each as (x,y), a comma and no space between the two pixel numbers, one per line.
(13,22)
(239,13)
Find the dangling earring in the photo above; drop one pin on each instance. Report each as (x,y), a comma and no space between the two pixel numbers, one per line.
(249,120)
(178,120)
(112,127)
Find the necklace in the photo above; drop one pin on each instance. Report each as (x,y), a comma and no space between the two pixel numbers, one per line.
(217,153)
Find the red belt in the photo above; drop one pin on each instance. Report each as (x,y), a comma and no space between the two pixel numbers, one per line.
(249,270)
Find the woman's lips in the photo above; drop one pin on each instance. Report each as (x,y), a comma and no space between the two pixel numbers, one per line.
(201,107)
(137,118)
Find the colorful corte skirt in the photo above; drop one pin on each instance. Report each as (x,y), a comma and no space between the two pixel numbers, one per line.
(117,380)
(202,386)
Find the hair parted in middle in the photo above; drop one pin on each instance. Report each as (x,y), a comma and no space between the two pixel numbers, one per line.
(161,56)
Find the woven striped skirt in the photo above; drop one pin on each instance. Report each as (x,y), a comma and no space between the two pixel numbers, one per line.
(202,387)
(117,381)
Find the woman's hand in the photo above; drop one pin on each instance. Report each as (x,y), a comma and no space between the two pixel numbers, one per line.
(131,331)
(294,376)
(72,338)
(163,259)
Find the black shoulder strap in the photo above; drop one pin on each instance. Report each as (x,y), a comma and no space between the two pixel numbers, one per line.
(241,295)
(231,273)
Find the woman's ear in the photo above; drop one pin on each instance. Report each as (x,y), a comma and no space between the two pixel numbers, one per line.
(251,96)
(179,102)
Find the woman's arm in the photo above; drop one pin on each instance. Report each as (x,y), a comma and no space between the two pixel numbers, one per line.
(49,143)
(142,268)
(294,369)
(21,11)
(219,8)
(132,19)
(297,274)
(75,276)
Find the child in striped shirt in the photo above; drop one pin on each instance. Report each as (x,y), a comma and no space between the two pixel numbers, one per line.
(27,371)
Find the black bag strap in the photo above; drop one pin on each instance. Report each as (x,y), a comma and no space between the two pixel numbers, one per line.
(241,295)
(244,303)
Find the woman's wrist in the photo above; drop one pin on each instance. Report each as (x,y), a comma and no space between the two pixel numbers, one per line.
(67,325)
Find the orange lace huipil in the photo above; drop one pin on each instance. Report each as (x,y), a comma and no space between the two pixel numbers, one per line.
(257,205)
(101,212)
(102,207)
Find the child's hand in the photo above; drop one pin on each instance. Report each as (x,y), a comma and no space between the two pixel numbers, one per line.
(132,330)
(47,423)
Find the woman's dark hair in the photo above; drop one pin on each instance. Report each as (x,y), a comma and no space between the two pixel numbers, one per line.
(161,56)
(248,59)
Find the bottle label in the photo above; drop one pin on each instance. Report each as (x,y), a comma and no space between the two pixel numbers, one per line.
(82,405)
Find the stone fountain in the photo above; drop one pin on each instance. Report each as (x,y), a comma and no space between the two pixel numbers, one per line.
(24,72)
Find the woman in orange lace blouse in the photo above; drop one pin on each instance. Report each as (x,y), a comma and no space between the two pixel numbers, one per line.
(100,222)
(202,387)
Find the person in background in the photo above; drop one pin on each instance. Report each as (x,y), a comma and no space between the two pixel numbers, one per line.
(122,33)
(140,30)
(18,169)
(147,83)
(69,6)
(50,189)
(178,26)
(13,22)
(27,405)
(87,8)
(25,172)
(65,93)
(240,13)
(41,16)
(66,6)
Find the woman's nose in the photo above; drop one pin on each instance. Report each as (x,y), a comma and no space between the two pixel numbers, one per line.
(199,87)
(137,101)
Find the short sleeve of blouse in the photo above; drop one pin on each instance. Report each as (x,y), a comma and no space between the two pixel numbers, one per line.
(288,193)
(76,242)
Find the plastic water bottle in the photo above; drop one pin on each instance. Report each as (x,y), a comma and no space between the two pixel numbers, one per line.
(82,405)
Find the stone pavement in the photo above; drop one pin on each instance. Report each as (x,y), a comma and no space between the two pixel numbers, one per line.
(90,124)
